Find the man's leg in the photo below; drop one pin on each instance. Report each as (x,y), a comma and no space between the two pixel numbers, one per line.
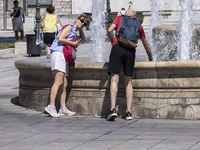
(16,35)
(113,96)
(129,96)
(129,92)
(22,34)
(113,89)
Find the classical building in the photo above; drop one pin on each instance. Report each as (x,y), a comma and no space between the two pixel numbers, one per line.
(169,10)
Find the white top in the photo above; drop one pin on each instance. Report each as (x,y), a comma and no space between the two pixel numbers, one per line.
(121,13)
(17,19)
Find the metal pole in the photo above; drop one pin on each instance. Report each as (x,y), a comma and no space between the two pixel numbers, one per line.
(130,4)
(4,15)
(37,17)
(109,18)
(25,3)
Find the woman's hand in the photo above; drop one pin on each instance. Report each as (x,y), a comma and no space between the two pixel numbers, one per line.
(75,44)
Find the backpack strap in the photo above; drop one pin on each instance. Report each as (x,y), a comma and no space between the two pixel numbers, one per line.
(65,26)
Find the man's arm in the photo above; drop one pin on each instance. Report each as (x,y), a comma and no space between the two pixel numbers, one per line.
(147,48)
(23,18)
(12,13)
(110,32)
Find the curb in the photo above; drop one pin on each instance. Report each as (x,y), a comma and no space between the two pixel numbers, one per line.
(7,51)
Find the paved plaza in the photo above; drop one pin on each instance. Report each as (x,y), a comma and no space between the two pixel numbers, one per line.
(26,129)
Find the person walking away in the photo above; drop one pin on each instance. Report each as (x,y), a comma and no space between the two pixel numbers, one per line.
(18,18)
(60,67)
(49,25)
(123,56)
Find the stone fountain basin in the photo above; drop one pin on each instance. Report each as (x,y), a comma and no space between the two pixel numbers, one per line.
(161,89)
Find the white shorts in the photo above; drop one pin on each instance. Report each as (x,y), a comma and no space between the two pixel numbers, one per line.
(58,63)
(18,26)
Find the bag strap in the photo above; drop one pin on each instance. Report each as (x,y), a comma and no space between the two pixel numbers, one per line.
(65,26)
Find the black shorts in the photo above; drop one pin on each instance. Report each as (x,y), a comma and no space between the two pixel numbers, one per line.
(121,56)
(49,38)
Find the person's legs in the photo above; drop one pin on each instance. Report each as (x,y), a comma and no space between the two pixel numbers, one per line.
(48,49)
(129,92)
(59,77)
(113,96)
(16,35)
(22,34)
(51,38)
(51,109)
(62,93)
(113,89)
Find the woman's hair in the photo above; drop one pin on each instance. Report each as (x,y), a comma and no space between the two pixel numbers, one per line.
(50,9)
(85,17)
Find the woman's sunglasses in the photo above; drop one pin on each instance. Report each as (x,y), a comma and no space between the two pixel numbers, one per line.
(85,24)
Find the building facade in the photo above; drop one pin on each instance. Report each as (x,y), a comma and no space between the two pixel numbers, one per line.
(62,7)
(69,9)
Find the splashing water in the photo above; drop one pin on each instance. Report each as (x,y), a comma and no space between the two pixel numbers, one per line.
(98,30)
(154,22)
(185,30)
(177,42)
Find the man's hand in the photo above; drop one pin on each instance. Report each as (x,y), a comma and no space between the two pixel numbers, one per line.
(147,48)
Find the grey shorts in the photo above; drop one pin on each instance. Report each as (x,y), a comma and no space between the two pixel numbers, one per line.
(18,26)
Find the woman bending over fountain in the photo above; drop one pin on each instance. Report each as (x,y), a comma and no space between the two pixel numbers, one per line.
(60,67)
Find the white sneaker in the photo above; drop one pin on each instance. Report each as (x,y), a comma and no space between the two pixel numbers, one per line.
(65,111)
(52,111)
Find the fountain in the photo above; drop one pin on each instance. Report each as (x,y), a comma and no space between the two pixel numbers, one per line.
(162,89)
(98,30)
(178,42)
(154,22)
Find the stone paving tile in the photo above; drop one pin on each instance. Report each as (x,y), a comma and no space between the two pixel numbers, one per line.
(89,148)
(128,131)
(119,148)
(53,148)
(155,135)
(168,148)
(101,144)
(176,144)
(196,146)
(10,147)
(110,137)
(137,143)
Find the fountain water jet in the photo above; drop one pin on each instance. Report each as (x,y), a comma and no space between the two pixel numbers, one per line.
(154,22)
(185,30)
(177,42)
(98,30)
